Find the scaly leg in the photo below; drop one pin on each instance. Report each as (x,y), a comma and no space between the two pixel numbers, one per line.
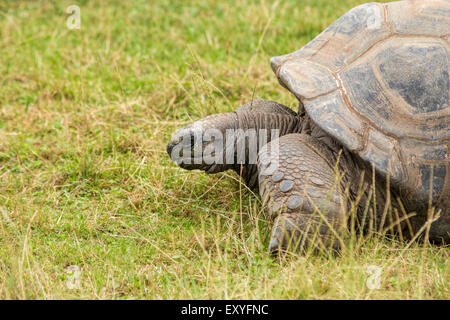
(302,193)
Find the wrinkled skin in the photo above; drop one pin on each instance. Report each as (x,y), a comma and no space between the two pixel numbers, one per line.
(306,193)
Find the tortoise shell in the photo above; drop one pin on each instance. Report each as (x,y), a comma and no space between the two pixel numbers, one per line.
(377,80)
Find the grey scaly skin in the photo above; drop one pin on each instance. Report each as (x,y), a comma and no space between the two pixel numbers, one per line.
(308,204)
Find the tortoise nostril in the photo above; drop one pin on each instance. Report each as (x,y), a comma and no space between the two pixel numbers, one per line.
(169,148)
(172,143)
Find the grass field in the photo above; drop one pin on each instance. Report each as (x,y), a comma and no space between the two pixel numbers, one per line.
(88,192)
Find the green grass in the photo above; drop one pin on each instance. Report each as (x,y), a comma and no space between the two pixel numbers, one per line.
(85,180)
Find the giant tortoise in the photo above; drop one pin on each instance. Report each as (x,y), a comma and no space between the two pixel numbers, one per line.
(371,135)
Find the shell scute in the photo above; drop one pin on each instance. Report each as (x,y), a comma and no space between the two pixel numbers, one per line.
(419,17)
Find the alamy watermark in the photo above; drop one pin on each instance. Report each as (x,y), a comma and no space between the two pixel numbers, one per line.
(374,280)
(229,147)
(374,21)
(73,281)
(74,20)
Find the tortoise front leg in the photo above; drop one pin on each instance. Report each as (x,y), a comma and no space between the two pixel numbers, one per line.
(302,193)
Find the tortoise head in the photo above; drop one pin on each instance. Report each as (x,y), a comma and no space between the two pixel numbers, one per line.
(203,144)
(232,140)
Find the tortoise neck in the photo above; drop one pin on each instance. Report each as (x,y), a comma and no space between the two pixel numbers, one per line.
(283,123)
(265,126)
